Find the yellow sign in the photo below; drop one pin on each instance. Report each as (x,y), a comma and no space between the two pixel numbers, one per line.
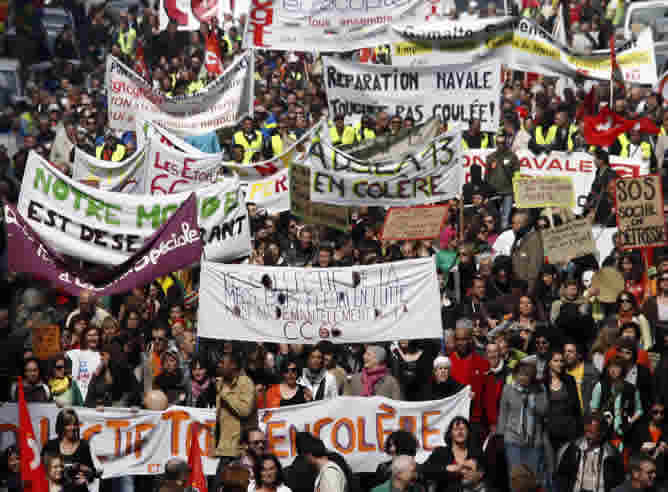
(544,191)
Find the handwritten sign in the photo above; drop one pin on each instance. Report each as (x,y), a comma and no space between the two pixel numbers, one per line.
(568,241)
(544,191)
(640,215)
(420,222)
(301,205)
(46,341)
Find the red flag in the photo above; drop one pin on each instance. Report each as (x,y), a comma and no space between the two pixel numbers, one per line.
(140,64)
(616,74)
(197,479)
(33,474)
(212,57)
(604,128)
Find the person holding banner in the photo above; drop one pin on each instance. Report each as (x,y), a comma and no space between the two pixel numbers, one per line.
(375,378)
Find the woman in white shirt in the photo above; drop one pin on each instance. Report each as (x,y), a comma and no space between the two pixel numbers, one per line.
(268,474)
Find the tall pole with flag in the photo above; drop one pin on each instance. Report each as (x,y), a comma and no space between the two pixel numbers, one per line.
(33,474)
(197,479)
(616,74)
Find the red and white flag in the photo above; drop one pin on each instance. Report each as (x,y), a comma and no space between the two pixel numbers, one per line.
(33,474)
(604,128)
(212,57)
(197,479)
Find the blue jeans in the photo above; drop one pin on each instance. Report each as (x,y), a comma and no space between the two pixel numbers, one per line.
(534,458)
(506,207)
(123,484)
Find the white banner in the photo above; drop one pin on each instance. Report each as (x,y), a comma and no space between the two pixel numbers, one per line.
(579,166)
(297,305)
(108,227)
(453,93)
(221,104)
(527,47)
(271,193)
(126,176)
(357,427)
(189,14)
(328,26)
(426,174)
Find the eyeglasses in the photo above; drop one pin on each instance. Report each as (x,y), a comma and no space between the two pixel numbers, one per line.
(60,366)
(625,300)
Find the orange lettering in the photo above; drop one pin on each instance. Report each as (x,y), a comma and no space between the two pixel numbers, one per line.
(117,425)
(273,439)
(139,440)
(320,423)
(427,431)
(351,435)
(176,416)
(389,413)
(362,445)
(91,431)
(210,426)
(408,423)
(128,443)
(44,430)
(293,440)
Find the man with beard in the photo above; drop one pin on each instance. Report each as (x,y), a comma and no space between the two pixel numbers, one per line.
(469,368)
(585,374)
(590,462)
(315,376)
(475,304)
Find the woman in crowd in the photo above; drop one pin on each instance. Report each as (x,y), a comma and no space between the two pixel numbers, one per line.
(10,470)
(375,378)
(288,391)
(60,384)
(170,380)
(606,339)
(526,314)
(627,311)
(440,385)
(34,388)
(547,288)
(443,467)
(648,435)
(55,475)
(74,450)
(268,474)
(113,383)
(202,385)
(398,443)
(411,366)
(631,269)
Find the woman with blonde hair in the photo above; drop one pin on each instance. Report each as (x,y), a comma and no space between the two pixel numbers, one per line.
(606,339)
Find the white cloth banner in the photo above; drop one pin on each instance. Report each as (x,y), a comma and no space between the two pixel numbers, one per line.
(108,227)
(523,45)
(328,26)
(297,305)
(427,174)
(579,166)
(126,176)
(189,14)
(222,103)
(357,427)
(271,193)
(453,93)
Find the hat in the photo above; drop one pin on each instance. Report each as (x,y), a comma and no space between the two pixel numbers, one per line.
(379,351)
(442,361)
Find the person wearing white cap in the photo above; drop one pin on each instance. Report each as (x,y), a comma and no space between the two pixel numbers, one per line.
(442,385)
(375,378)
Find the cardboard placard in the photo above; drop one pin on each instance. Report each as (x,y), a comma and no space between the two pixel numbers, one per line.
(568,241)
(544,191)
(301,205)
(46,341)
(640,215)
(414,223)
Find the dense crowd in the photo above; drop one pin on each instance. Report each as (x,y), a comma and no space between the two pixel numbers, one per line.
(568,390)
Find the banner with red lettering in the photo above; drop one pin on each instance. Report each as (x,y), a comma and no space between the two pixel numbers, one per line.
(189,14)
(579,166)
(356,427)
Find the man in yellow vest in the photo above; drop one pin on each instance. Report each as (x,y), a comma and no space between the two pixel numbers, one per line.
(473,138)
(111,149)
(632,146)
(339,133)
(249,138)
(364,129)
(559,136)
(126,36)
(278,142)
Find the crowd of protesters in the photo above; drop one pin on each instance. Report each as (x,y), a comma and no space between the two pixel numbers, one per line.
(568,391)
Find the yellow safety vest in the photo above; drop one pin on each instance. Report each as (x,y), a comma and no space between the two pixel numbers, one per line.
(552,133)
(348,137)
(624,141)
(276,145)
(249,147)
(484,143)
(116,156)
(127,41)
(194,86)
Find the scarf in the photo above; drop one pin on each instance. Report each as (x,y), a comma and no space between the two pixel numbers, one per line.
(370,378)
(198,388)
(314,378)
(59,386)
(528,414)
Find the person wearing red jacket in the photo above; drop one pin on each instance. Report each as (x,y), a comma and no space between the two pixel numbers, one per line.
(494,381)
(470,369)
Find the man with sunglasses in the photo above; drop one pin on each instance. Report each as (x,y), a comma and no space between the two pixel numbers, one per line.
(649,436)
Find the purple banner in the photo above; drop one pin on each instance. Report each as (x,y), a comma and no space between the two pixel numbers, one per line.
(175,245)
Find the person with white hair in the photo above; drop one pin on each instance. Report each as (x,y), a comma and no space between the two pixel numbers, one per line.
(441,385)
(375,378)
(404,476)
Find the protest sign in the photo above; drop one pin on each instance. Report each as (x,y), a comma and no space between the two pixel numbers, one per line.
(640,217)
(452,93)
(108,227)
(579,166)
(222,103)
(357,427)
(544,191)
(524,46)
(419,222)
(45,339)
(568,241)
(175,245)
(302,206)
(189,14)
(126,176)
(425,174)
(271,193)
(305,305)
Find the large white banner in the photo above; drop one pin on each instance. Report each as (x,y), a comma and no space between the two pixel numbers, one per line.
(271,193)
(357,427)
(328,26)
(527,47)
(297,305)
(189,14)
(126,176)
(453,93)
(221,104)
(108,227)
(426,174)
(579,166)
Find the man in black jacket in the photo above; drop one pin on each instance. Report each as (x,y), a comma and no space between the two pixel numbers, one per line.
(590,462)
